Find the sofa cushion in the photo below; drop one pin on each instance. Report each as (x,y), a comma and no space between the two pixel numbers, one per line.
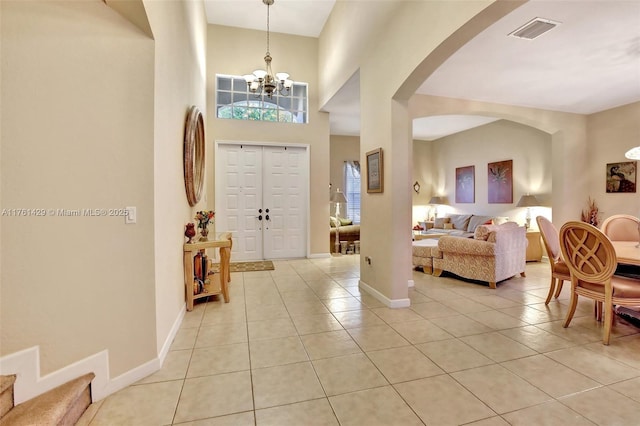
(476,221)
(448,226)
(332,221)
(440,221)
(344,221)
(460,221)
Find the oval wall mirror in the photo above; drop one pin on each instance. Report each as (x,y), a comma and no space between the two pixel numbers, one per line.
(194,155)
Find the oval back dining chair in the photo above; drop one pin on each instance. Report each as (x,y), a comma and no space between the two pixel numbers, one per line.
(559,269)
(621,227)
(592,261)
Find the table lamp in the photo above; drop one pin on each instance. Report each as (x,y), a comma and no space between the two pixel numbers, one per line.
(435,201)
(338,198)
(528,201)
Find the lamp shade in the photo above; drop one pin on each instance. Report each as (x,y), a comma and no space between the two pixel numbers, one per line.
(528,201)
(338,197)
(436,200)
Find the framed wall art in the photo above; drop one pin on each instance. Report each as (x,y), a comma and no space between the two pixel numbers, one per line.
(621,177)
(375,174)
(500,182)
(465,184)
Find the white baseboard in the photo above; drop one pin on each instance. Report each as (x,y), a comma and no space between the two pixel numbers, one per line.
(25,364)
(391,303)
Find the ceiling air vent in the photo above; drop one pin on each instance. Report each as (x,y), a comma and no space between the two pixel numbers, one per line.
(534,28)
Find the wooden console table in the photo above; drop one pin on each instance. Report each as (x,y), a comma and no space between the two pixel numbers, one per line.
(218,283)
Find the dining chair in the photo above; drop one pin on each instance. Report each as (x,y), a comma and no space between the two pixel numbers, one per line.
(559,269)
(592,261)
(621,227)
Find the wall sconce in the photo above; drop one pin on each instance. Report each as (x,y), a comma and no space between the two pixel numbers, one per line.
(416,187)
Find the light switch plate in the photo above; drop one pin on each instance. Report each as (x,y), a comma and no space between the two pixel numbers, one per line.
(131,216)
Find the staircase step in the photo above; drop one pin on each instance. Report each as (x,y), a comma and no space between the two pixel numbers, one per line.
(60,406)
(6,394)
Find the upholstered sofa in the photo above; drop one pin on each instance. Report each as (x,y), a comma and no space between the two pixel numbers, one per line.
(349,233)
(495,253)
(459,225)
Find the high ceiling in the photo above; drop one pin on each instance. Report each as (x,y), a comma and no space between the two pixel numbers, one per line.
(590,62)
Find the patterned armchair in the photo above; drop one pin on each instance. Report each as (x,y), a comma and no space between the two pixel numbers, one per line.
(496,252)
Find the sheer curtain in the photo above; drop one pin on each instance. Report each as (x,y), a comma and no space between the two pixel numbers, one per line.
(352,189)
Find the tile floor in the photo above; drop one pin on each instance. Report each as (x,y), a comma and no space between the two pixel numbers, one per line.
(301,345)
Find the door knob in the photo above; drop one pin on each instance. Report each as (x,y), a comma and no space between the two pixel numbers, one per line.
(259,210)
(267,217)
(260,217)
(267,210)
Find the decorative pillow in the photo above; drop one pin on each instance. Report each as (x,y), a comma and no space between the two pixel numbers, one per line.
(440,221)
(332,221)
(476,221)
(460,221)
(448,226)
(344,221)
(482,232)
(499,220)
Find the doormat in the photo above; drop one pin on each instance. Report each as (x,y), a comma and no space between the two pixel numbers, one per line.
(264,265)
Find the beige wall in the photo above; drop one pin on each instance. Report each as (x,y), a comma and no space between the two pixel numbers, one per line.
(299,57)
(343,148)
(529,148)
(568,140)
(77,121)
(611,134)
(180,81)
(93,117)
(423,169)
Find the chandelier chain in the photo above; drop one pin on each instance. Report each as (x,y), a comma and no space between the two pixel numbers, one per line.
(268,7)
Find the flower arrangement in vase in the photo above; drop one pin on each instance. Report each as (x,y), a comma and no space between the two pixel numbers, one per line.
(204,217)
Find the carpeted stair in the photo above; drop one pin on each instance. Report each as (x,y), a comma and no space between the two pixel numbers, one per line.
(60,406)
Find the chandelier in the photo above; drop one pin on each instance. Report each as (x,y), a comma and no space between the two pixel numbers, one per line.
(264,81)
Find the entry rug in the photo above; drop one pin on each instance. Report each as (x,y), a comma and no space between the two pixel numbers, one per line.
(264,265)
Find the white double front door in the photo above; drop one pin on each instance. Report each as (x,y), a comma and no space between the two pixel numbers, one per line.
(262,198)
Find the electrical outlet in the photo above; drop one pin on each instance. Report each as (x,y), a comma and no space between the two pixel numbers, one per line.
(132,215)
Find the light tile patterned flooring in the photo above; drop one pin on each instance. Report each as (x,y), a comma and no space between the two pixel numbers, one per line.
(301,345)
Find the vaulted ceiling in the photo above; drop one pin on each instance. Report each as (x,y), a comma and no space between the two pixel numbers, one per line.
(588,63)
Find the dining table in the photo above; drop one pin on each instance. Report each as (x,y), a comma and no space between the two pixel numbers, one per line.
(627,252)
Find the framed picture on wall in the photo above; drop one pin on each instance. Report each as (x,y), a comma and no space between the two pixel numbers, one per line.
(375,175)
(621,177)
(500,182)
(465,184)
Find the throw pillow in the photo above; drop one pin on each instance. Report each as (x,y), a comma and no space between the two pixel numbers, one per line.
(344,221)
(332,221)
(448,226)
(482,232)
(460,221)
(440,221)
(476,221)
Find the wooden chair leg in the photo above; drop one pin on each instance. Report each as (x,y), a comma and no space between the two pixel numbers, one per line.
(558,288)
(552,288)
(572,309)
(608,321)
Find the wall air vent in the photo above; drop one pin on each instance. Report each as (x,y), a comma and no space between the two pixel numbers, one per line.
(534,28)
